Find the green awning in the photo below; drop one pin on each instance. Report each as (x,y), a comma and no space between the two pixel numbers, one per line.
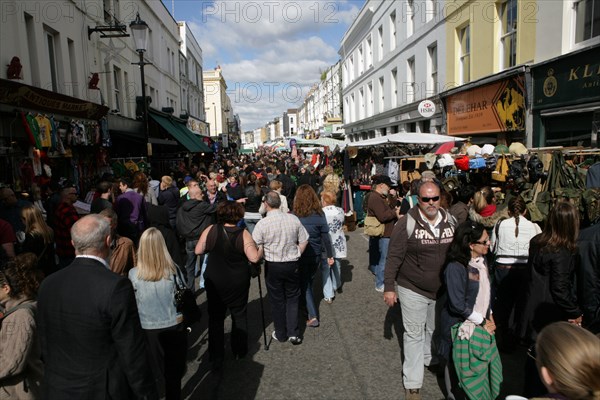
(183,135)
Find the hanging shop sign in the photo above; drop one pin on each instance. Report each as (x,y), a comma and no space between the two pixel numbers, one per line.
(20,95)
(567,80)
(495,107)
(427,108)
(197,126)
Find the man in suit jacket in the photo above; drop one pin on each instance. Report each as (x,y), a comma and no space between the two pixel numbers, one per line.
(93,345)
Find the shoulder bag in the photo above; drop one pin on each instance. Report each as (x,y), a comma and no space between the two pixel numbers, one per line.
(185,301)
(373,227)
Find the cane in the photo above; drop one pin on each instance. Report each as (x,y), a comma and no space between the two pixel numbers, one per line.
(262,312)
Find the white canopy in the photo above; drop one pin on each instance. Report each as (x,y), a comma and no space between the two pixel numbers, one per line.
(407,137)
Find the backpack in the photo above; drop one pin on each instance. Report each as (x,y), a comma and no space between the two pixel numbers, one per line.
(500,171)
(591,204)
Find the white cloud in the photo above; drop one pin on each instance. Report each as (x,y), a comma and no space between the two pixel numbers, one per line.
(266,46)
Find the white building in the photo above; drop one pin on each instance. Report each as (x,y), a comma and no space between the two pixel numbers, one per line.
(219,111)
(192,87)
(321,111)
(392,58)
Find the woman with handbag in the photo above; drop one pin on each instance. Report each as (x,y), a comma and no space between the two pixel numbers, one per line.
(39,239)
(467,324)
(227,280)
(153,280)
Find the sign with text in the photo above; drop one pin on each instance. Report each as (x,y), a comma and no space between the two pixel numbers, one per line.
(496,107)
(427,108)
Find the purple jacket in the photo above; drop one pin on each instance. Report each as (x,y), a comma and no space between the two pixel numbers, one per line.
(131,208)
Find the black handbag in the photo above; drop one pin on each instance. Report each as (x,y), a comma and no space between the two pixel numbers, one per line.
(185,301)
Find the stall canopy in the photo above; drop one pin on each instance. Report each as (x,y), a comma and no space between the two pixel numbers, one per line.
(181,133)
(329,142)
(405,138)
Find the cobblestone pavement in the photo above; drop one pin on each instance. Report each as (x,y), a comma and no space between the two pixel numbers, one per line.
(354,354)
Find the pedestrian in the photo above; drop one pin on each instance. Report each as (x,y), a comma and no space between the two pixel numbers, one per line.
(21,367)
(282,239)
(588,275)
(275,186)
(418,247)
(551,290)
(141,186)
(131,209)
(193,217)
(92,342)
(253,202)
(169,196)
(510,245)
(104,200)
(65,217)
(307,208)
(227,280)
(122,249)
(153,280)
(568,362)
(386,214)
(39,239)
(331,274)
(467,319)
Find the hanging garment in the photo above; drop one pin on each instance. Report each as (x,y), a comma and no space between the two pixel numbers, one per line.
(45,130)
(35,130)
(393,171)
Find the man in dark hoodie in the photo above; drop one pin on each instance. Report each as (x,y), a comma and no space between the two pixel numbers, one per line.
(193,217)
(416,256)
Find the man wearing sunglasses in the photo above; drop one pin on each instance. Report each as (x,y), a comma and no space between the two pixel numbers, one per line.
(416,256)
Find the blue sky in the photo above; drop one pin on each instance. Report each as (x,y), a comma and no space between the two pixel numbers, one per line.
(270,51)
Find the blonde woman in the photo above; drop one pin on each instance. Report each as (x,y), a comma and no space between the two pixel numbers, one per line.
(568,361)
(153,279)
(39,239)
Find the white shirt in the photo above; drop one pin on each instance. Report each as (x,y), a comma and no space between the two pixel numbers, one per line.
(508,248)
(433,226)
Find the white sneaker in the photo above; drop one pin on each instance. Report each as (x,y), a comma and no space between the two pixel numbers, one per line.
(379,289)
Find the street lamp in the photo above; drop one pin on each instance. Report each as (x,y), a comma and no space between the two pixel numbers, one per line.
(139,30)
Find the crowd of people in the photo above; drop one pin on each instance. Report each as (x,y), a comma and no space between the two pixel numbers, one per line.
(93,296)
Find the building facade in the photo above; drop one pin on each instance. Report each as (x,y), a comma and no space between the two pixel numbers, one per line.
(393,56)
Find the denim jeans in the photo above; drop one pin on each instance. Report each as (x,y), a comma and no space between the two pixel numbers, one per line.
(380,267)
(308,269)
(200,269)
(418,318)
(331,277)
(373,253)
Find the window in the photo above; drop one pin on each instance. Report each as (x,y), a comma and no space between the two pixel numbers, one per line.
(369,99)
(291,120)
(394,84)
(465,53)
(351,67)
(410,87)
(369,52)
(107,11)
(117,88)
(73,64)
(432,70)
(352,110)
(116,10)
(587,19)
(361,104)
(380,42)
(430,10)
(410,22)
(52,60)
(361,61)
(127,95)
(393,30)
(508,39)
(381,88)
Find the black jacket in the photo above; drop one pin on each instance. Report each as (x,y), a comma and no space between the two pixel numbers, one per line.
(193,217)
(551,294)
(170,198)
(288,188)
(158,217)
(92,342)
(588,275)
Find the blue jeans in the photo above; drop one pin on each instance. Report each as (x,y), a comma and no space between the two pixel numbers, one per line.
(418,318)
(331,277)
(308,269)
(200,270)
(380,267)
(373,253)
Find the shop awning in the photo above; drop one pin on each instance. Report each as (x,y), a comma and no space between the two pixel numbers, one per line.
(407,138)
(183,135)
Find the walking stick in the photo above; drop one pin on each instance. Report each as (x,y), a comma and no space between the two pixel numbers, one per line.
(262,313)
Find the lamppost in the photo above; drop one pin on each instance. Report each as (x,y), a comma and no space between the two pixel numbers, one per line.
(139,30)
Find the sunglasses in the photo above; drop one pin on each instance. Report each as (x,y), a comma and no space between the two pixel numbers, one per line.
(483,243)
(428,199)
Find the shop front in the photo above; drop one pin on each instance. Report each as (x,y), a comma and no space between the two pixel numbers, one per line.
(492,110)
(566,100)
(46,135)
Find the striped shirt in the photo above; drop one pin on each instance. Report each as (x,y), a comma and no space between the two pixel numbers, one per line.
(279,234)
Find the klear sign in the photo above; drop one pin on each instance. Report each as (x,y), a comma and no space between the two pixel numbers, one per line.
(427,108)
